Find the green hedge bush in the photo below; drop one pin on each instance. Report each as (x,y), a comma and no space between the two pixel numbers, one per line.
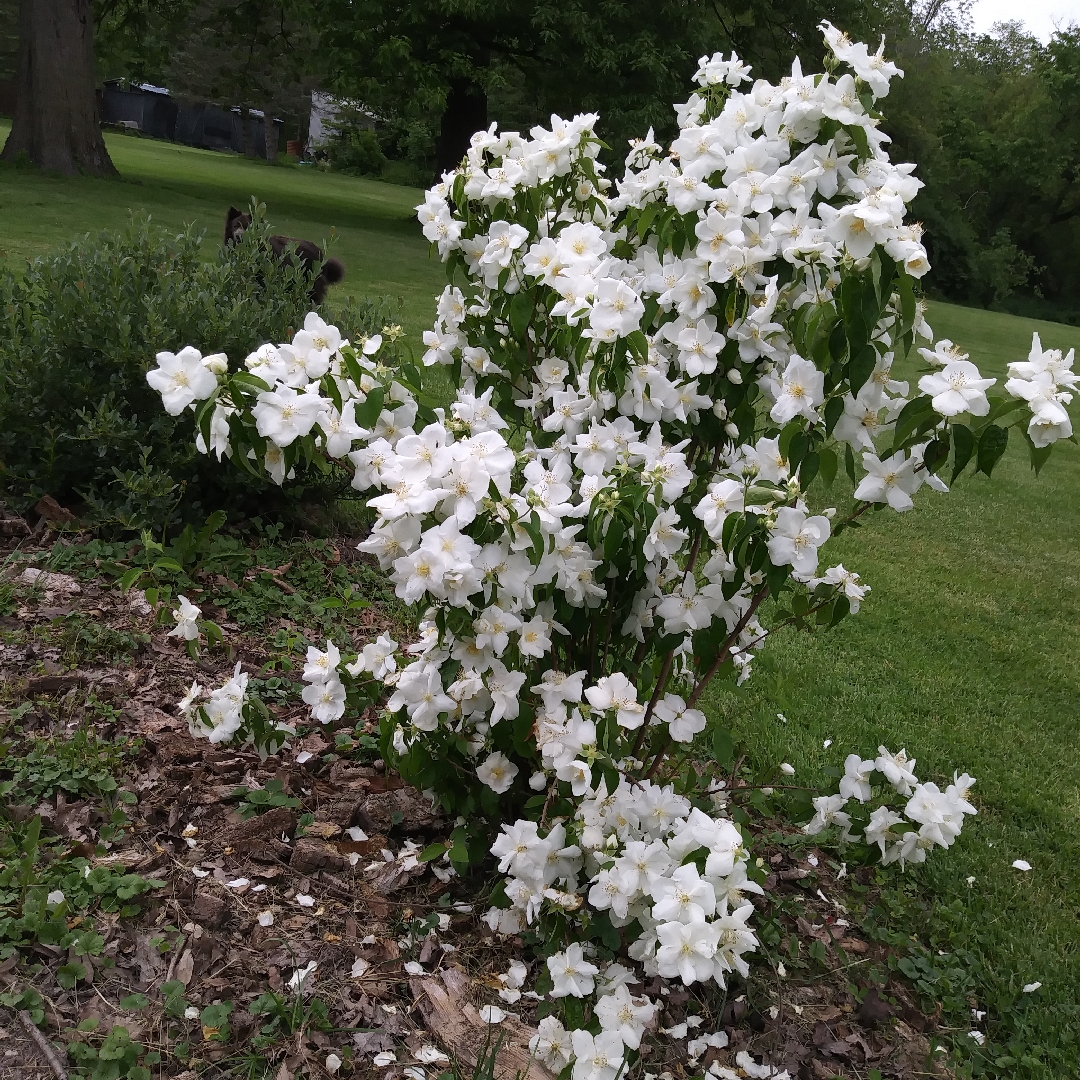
(78,331)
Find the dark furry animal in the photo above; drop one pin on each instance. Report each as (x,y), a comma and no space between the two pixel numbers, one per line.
(289,247)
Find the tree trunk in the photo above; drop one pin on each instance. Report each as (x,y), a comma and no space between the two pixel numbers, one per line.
(465,113)
(247,131)
(56,122)
(272,130)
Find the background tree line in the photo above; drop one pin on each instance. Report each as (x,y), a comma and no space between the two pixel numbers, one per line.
(993,122)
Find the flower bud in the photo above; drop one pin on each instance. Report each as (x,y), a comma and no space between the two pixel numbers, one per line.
(732,429)
(734,376)
(719,410)
(217,362)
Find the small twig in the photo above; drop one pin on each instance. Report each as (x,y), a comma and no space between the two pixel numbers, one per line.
(176,950)
(43,1045)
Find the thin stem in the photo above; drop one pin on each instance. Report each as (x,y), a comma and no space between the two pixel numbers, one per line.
(661,680)
(725,649)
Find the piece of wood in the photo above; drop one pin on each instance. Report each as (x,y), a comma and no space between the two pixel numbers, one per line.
(43,1045)
(455,1022)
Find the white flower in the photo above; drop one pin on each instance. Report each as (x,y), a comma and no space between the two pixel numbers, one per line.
(801,391)
(795,538)
(683,723)
(283,415)
(686,950)
(617,692)
(552,1044)
(625,1015)
(597,1057)
(571,974)
(498,772)
(957,388)
(181,379)
(186,616)
(893,480)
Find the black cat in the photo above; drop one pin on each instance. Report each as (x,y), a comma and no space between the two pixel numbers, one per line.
(309,254)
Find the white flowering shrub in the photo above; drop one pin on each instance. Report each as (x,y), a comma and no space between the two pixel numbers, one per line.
(656,384)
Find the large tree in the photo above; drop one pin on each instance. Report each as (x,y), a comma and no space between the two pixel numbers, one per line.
(56,123)
(451,60)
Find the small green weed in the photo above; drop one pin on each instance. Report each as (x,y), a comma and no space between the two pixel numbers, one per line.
(85,640)
(114,1056)
(254,801)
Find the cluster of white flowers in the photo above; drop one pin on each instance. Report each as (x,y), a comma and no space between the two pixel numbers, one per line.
(216,715)
(649,377)
(938,814)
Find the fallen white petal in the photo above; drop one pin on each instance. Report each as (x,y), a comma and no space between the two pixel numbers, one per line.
(258,888)
(1021,864)
(414,1072)
(387,1057)
(303,756)
(332,1063)
(355,834)
(304,900)
(359,968)
(55,897)
(413,968)
(492,1014)
(826,744)
(200,873)
(978,1036)
(430,1055)
(300,974)
(510,996)
(266,918)
(238,883)
(191,1013)
(1030,988)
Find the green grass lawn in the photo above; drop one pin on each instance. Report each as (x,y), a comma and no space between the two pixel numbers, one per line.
(377,236)
(967,652)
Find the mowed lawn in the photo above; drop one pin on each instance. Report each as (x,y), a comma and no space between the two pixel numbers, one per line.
(967,651)
(373,224)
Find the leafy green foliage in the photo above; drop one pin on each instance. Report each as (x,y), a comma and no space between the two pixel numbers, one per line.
(82,765)
(79,330)
(33,867)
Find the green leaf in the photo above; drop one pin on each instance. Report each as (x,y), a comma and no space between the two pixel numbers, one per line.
(861,367)
(367,414)
(827,466)
(963,439)
(432,852)
(723,748)
(130,578)
(521,313)
(912,416)
(134,1002)
(992,443)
